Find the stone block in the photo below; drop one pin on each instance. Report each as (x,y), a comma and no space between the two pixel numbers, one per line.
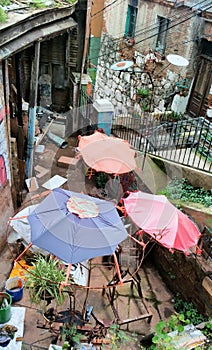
(67,162)
(41,171)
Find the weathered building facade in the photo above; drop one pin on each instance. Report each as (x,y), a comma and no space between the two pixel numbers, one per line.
(146,32)
(39,48)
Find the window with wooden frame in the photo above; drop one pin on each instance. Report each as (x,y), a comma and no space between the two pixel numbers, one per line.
(131,19)
(163,26)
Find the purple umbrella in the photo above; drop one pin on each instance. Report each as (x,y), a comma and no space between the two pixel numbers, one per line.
(73,238)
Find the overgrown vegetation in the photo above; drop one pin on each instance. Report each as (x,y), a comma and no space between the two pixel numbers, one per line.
(53,3)
(189,310)
(71,336)
(162,340)
(37,4)
(186,314)
(3,16)
(119,337)
(143,92)
(180,189)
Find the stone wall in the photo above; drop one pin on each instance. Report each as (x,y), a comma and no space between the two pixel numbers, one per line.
(120,87)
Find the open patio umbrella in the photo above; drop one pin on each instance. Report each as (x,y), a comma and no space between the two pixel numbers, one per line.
(106,153)
(159,218)
(76,227)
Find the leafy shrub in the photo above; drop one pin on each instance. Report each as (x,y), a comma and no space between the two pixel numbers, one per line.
(38,4)
(189,310)
(3,16)
(180,189)
(70,335)
(162,340)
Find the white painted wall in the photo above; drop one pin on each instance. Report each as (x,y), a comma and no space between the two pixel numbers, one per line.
(115,18)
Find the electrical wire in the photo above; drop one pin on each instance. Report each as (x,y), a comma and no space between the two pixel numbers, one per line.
(148,28)
(177,16)
(189,16)
(102,12)
(173,18)
(104,8)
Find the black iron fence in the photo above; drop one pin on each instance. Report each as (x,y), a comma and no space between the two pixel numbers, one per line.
(187,141)
(170,136)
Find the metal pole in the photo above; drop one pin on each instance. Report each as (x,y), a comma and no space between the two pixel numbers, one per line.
(32,111)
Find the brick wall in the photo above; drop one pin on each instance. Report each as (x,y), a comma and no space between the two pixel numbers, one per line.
(185,275)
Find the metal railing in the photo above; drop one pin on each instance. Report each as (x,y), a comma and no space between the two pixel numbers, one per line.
(186,141)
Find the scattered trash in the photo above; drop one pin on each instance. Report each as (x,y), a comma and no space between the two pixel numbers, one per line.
(57,140)
(190,338)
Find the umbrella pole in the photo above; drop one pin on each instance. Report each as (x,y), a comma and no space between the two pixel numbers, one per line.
(87,291)
(117,268)
(65,283)
(24,251)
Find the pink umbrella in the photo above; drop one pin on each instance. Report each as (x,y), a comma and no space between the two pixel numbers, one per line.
(156,216)
(107,154)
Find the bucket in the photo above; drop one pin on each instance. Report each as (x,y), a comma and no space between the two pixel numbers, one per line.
(5,307)
(14,286)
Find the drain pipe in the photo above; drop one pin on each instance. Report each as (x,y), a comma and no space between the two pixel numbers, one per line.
(86,43)
(87,36)
(32,111)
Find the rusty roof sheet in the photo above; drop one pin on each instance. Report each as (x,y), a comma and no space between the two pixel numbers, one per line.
(18,11)
(37,34)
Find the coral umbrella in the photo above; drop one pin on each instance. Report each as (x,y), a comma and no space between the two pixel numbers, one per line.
(106,153)
(159,218)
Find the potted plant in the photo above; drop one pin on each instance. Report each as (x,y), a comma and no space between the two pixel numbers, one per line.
(44,280)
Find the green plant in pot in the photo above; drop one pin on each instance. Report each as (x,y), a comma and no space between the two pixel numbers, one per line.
(44,280)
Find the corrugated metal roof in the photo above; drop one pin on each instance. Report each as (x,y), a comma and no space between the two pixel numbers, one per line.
(202,5)
(35,34)
(19,10)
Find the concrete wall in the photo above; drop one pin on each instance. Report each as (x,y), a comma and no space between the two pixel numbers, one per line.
(195,177)
(97,18)
(115,18)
